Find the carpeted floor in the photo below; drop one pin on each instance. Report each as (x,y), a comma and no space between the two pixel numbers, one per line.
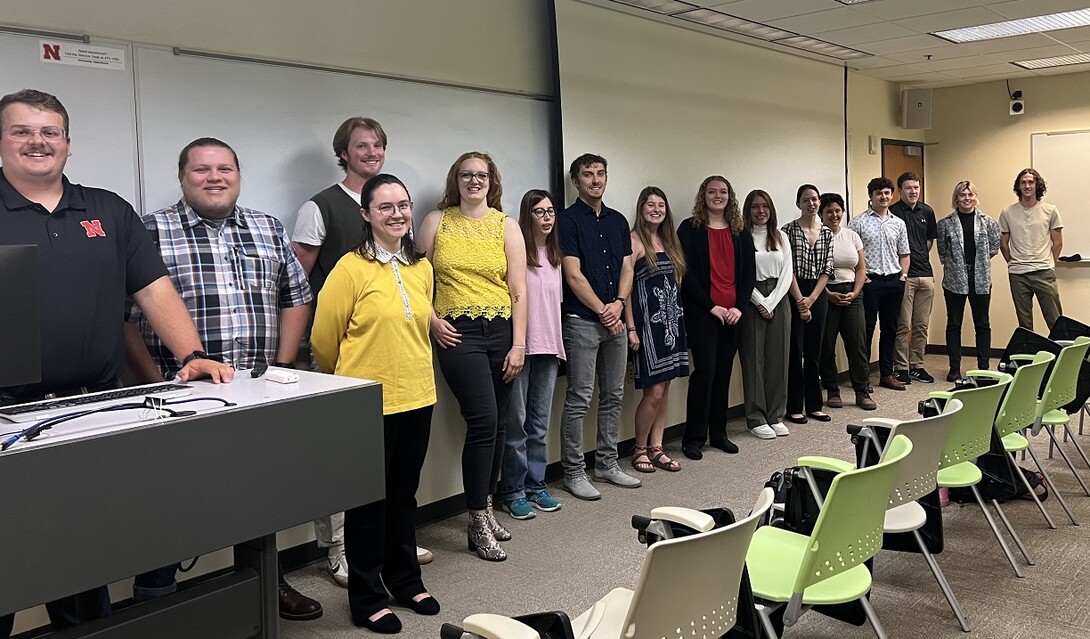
(568,559)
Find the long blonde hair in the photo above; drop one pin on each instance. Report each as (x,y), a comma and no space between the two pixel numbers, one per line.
(700,205)
(666,232)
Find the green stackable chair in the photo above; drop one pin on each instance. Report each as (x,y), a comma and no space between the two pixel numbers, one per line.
(916,477)
(826,567)
(1060,391)
(1017,413)
(970,437)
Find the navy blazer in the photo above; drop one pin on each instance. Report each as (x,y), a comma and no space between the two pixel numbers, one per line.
(696,286)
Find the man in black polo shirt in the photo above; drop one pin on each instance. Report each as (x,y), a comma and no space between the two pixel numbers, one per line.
(920,284)
(93,251)
(597,267)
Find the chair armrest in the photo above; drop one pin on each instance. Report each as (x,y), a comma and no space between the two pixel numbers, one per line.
(826,463)
(498,627)
(884,422)
(694,519)
(947,395)
(1022,357)
(996,375)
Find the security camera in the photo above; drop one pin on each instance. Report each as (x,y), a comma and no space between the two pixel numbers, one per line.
(1018,106)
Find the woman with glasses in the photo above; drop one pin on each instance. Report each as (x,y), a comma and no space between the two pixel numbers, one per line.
(845,315)
(372,322)
(654,319)
(968,240)
(479,323)
(717,283)
(522,488)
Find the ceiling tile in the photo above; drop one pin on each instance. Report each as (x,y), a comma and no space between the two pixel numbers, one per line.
(766,10)
(908,43)
(898,9)
(826,20)
(1003,68)
(952,57)
(1026,8)
(932,22)
(865,34)
(1078,34)
(875,62)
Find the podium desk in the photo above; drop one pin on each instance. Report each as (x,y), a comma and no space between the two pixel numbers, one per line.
(108,496)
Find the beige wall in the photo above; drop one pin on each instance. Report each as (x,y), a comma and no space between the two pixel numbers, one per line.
(476,42)
(975,139)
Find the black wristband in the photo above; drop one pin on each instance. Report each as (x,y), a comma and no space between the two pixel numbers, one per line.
(194,355)
(284,364)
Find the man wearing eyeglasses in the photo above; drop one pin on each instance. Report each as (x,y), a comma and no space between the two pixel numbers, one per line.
(93,253)
(243,286)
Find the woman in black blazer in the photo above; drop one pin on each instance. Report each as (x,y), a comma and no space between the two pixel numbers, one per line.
(717,282)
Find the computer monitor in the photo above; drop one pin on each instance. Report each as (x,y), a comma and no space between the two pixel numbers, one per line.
(20,311)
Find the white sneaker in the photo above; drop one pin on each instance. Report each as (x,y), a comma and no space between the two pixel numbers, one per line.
(764,431)
(780,429)
(423,556)
(337,566)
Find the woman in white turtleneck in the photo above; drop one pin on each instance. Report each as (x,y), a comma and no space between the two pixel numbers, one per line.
(766,326)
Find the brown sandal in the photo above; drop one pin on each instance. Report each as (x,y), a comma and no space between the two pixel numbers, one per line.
(645,466)
(656,458)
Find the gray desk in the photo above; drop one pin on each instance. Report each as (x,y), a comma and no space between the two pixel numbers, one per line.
(107,497)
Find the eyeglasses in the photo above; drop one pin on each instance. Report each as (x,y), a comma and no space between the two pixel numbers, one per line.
(23,133)
(405,207)
(543,212)
(466,176)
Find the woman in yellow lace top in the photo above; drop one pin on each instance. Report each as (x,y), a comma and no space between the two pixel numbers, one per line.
(479,324)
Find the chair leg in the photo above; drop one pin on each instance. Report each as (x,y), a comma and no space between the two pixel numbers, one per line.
(995,531)
(941,578)
(766,621)
(873,618)
(1036,500)
(1013,534)
(1078,447)
(1082,414)
(1052,486)
(1051,430)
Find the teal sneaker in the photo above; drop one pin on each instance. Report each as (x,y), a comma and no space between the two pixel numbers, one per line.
(519,509)
(543,501)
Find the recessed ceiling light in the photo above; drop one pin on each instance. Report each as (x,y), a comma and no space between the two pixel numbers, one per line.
(734,24)
(806,43)
(1058,61)
(660,6)
(1022,26)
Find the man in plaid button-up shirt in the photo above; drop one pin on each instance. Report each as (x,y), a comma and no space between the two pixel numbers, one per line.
(243,286)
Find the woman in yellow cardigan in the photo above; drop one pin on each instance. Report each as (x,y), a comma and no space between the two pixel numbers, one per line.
(372,322)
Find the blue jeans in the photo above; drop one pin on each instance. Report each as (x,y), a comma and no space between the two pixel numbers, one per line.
(526,422)
(592,352)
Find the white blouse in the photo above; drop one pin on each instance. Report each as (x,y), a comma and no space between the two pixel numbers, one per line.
(771,264)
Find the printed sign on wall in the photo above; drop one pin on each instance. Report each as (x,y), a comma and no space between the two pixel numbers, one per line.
(84,55)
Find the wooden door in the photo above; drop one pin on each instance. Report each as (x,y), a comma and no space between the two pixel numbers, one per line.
(898,157)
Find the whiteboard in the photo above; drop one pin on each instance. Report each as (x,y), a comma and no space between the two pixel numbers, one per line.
(1063,158)
(281,120)
(100,108)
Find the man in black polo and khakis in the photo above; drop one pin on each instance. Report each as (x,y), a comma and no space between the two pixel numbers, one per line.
(93,252)
(919,219)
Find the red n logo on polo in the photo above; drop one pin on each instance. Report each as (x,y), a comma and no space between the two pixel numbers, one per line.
(93,228)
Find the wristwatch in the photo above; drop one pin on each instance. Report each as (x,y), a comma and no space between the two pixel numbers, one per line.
(624,304)
(194,355)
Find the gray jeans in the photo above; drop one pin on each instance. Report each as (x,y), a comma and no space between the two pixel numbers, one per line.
(592,352)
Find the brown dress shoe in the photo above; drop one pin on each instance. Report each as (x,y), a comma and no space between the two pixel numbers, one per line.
(296,606)
(863,400)
(833,400)
(891,382)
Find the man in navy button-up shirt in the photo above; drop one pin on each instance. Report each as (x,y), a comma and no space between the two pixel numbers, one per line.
(597,268)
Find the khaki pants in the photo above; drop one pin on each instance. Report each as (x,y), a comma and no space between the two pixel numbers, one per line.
(1042,284)
(912,325)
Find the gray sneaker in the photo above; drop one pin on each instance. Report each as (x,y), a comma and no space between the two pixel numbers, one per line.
(617,477)
(580,487)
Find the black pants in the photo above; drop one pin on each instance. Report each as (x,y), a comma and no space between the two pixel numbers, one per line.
(848,323)
(380,538)
(955,313)
(474,371)
(713,345)
(882,303)
(803,378)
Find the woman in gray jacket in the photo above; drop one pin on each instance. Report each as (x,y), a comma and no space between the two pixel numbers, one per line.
(968,240)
